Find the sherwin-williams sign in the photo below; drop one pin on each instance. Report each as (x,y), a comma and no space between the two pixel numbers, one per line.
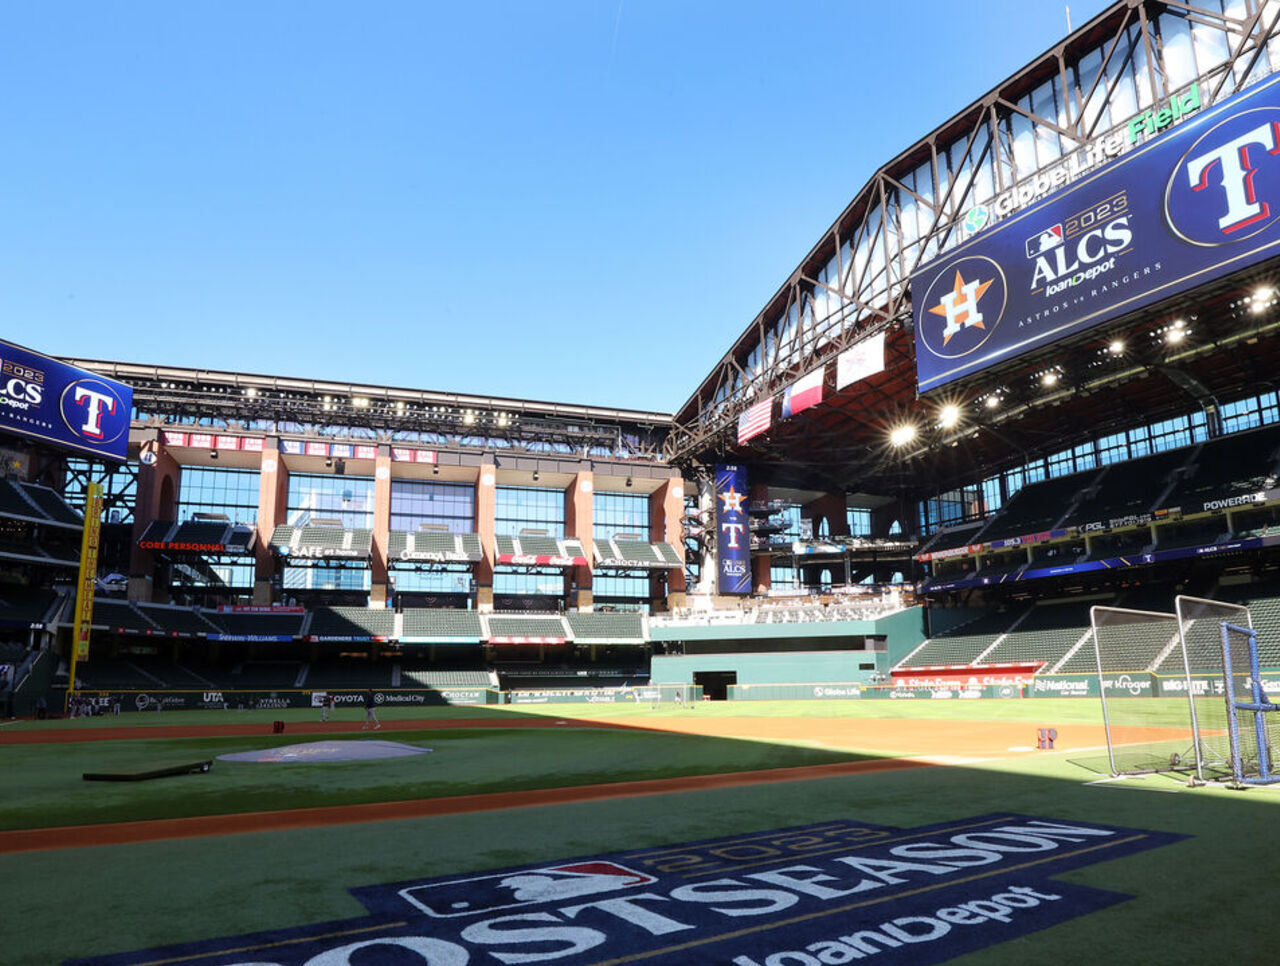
(733,530)
(61,404)
(837,892)
(1190,206)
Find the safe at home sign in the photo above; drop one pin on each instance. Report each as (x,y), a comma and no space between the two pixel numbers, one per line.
(838,892)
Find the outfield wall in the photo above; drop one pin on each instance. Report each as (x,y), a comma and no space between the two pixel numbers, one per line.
(166,700)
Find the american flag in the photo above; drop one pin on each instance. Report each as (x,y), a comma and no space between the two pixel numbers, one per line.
(755,420)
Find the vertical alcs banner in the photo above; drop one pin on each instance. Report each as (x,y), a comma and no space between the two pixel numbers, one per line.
(733,531)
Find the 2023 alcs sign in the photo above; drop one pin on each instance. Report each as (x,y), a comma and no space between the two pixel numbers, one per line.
(1196,204)
(44,398)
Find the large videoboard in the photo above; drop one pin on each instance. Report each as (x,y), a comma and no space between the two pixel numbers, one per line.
(66,406)
(1195,204)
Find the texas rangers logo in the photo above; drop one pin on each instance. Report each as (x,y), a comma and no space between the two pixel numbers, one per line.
(1226,187)
(969,297)
(94,411)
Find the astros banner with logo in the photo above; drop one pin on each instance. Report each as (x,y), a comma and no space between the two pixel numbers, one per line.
(1195,204)
(733,531)
(61,404)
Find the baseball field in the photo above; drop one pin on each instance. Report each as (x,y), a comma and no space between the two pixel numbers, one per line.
(743,834)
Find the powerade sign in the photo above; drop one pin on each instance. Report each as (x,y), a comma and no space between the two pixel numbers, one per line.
(832,893)
(1183,209)
(51,401)
(733,530)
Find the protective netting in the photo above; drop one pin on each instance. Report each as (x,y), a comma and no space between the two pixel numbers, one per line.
(1201,621)
(1144,733)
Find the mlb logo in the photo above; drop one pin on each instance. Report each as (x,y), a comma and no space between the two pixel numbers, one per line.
(1042,242)
(526,887)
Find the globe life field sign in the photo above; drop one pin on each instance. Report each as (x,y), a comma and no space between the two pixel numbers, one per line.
(49,400)
(1187,207)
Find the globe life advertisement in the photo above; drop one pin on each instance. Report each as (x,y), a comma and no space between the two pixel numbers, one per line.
(1181,209)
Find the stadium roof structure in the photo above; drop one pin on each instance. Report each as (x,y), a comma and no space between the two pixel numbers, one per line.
(454,420)
(1119,375)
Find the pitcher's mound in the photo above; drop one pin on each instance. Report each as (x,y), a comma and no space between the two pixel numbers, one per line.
(329,751)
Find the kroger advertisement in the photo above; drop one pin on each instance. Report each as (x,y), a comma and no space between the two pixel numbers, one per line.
(60,404)
(1186,207)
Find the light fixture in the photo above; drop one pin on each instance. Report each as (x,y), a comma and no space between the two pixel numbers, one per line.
(436,470)
(949,415)
(1116,347)
(992,401)
(328,461)
(1049,379)
(213,454)
(1176,334)
(901,435)
(536,476)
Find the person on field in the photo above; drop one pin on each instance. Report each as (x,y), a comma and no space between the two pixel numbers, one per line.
(370,713)
(326,706)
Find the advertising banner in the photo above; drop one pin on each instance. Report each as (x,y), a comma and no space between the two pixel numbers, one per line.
(733,537)
(49,400)
(1182,209)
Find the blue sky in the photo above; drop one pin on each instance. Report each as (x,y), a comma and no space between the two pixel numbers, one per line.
(452,196)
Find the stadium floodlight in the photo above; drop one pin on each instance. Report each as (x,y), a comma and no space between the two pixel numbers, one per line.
(1116,347)
(901,435)
(1049,379)
(992,401)
(949,416)
(1177,333)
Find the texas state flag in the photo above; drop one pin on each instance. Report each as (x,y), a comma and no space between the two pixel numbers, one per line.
(802,394)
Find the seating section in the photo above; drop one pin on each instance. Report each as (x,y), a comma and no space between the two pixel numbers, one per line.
(256,625)
(1045,636)
(1037,506)
(51,504)
(427,677)
(360,623)
(200,532)
(963,644)
(178,621)
(442,623)
(23,607)
(438,544)
(1229,466)
(120,616)
(266,675)
(348,674)
(527,627)
(619,628)
(1129,489)
(540,546)
(951,539)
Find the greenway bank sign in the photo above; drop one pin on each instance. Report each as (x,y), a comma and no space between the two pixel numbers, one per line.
(820,894)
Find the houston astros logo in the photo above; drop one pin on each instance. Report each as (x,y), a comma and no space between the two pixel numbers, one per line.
(969,296)
(1226,187)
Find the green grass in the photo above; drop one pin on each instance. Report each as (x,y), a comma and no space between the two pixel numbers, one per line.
(44,785)
(1205,899)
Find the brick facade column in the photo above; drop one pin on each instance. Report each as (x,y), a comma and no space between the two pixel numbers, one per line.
(829,507)
(579,518)
(486,511)
(159,479)
(666,525)
(273,503)
(378,585)
(761,579)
